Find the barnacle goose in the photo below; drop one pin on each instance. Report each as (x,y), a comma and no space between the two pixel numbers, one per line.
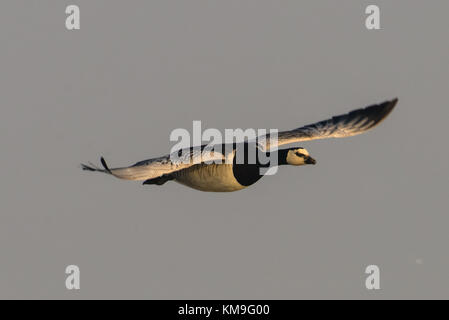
(219,171)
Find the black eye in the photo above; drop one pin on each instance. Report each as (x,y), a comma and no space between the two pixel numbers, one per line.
(299,154)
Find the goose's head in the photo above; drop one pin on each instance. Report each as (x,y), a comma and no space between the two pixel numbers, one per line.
(298,157)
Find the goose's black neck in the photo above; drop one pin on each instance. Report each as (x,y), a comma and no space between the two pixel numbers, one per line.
(248,172)
(245,155)
(282,156)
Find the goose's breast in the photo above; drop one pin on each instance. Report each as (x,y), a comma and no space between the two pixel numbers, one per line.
(209,177)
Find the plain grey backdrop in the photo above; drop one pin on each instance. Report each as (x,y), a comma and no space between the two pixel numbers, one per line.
(139,69)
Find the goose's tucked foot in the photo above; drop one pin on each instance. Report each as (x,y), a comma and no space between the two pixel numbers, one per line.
(159,180)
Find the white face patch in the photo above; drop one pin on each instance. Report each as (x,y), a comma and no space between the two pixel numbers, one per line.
(296,157)
(302,151)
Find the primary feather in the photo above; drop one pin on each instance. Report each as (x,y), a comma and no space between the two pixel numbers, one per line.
(345,125)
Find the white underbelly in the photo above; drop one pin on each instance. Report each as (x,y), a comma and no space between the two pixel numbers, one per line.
(212,177)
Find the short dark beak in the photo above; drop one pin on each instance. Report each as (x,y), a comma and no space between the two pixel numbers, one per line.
(310,160)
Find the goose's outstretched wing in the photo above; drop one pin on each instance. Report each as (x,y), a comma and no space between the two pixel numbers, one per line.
(157,167)
(346,125)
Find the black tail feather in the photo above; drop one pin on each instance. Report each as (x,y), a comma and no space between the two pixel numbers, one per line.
(92,167)
(89,168)
(103,162)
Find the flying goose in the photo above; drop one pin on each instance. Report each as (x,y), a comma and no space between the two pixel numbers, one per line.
(200,170)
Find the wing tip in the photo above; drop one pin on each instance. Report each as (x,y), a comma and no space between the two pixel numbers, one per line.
(392,103)
(387,107)
(88,168)
(91,167)
(379,112)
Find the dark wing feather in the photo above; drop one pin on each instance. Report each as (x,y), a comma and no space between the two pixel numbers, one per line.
(158,167)
(346,125)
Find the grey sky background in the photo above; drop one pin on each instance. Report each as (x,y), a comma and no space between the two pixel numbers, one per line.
(139,69)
